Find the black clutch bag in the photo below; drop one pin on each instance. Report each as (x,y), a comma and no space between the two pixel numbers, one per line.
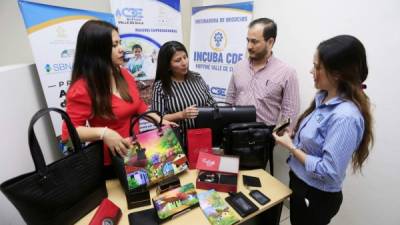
(217,117)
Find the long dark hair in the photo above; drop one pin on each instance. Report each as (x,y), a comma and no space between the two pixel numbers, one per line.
(344,56)
(164,72)
(93,64)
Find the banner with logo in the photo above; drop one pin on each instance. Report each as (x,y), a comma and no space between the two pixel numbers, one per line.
(52,33)
(145,25)
(218,42)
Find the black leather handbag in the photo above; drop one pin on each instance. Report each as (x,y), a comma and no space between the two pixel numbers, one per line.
(252,142)
(63,191)
(217,117)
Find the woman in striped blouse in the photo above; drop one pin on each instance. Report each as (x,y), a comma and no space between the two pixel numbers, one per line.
(334,130)
(177,91)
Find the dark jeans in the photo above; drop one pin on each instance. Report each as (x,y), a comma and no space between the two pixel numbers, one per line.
(322,206)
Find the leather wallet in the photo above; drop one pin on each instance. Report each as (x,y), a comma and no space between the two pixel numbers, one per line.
(144,217)
(107,213)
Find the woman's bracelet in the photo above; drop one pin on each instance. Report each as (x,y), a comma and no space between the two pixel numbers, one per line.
(292,149)
(103,132)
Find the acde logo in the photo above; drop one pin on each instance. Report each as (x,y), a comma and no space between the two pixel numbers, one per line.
(218,91)
(130,13)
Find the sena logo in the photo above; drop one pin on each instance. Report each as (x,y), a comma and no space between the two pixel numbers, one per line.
(218,91)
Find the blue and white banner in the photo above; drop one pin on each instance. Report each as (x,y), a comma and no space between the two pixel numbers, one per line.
(218,42)
(147,24)
(52,34)
(144,26)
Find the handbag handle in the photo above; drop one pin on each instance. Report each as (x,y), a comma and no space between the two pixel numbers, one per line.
(36,151)
(135,120)
(216,114)
(215,104)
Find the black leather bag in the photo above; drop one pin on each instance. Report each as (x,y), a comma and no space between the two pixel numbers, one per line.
(252,142)
(63,191)
(217,117)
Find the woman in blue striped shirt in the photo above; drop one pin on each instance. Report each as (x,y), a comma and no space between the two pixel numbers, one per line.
(336,128)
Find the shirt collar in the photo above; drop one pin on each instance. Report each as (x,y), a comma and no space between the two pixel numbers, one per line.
(271,57)
(320,97)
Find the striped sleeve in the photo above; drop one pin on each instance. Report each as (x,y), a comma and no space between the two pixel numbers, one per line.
(157,102)
(210,100)
(342,139)
(291,98)
(231,92)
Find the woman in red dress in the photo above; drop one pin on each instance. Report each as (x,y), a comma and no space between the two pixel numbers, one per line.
(103,95)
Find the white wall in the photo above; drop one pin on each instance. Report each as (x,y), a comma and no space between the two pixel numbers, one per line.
(371,198)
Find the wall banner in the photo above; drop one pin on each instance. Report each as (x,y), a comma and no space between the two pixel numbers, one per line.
(145,25)
(218,42)
(52,33)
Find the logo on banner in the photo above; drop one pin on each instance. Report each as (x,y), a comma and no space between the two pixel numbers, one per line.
(58,68)
(129,15)
(218,91)
(67,53)
(61,32)
(218,40)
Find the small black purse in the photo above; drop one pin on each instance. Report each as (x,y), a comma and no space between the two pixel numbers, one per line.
(252,142)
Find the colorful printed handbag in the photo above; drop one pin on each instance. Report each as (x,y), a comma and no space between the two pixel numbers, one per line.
(155,155)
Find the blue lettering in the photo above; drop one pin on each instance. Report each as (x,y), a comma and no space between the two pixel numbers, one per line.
(208,57)
(233,58)
(62,67)
(218,91)
(136,13)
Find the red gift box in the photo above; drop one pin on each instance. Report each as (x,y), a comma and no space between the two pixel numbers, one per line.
(198,140)
(107,213)
(217,172)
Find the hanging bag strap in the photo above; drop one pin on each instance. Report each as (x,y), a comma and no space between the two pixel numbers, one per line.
(135,120)
(36,151)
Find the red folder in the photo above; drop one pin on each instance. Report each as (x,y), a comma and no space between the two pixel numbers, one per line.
(198,140)
(107,213)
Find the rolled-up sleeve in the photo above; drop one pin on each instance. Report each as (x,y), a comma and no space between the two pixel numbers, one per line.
(291,98)
(343,138)
(231,92)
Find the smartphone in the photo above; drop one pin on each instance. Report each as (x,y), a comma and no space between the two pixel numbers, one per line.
(259,197)
(283,125)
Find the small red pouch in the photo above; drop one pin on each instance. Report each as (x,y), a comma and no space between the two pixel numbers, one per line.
(107,213)
(198,140)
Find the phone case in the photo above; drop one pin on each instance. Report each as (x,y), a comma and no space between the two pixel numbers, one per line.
(263,201)
(241,204)
(107,213)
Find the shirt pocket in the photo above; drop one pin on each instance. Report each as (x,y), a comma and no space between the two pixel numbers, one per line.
(313,142)
(269,90)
